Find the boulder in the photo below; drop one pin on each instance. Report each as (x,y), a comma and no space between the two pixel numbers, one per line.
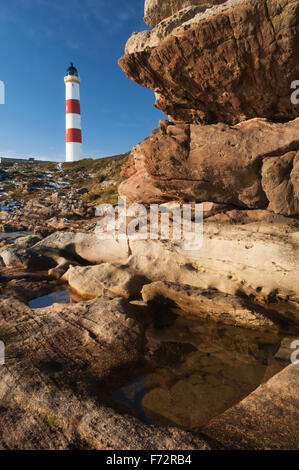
(232,62)
(217,163)
(267,419)
(104,279)
(27,258)
(87,246)
(210,303)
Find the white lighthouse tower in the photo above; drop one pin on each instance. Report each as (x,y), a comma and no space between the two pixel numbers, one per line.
(73,115)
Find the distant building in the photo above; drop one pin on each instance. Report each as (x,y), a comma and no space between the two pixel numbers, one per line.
(20,160)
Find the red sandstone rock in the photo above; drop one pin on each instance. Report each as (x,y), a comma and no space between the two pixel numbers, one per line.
(216,163)
(233,62)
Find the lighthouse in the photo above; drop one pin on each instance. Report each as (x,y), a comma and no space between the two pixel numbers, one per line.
(73,115)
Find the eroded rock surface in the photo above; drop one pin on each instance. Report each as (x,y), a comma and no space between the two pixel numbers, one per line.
(212,304)
(280,181)
(156,11)
(218,163)
(254,255)
(61,364)
(87,246)
(233,62)
(104,279)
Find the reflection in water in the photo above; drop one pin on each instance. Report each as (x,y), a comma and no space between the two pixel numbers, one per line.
(60,297)
(200,368)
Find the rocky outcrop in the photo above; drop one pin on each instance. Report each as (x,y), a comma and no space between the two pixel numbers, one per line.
(251,253)
(219,163)
(104,279)
(266,419)
(156,11)
(210,303)
(233,62)
(87,246)
(255,257)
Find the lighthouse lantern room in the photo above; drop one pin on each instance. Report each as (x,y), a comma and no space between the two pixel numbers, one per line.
(73,115)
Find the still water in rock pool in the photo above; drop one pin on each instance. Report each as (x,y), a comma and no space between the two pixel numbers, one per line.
(198,369)
(59,297)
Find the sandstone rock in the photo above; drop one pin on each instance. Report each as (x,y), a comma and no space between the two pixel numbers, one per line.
(61,364)
(104,279)
(19,257)
(212,304)
(280,181)
(233,62)
(87,246)
(254,253)
(156,11)
(266,419)
(255,258)
(216,163)
(211,208)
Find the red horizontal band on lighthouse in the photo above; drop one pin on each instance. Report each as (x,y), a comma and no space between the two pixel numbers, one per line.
(74,135)
(73,107)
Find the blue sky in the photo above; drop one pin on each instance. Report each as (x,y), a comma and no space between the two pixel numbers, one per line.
(38,39)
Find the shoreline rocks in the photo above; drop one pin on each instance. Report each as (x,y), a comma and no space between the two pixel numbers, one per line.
(104,279)
(211,304)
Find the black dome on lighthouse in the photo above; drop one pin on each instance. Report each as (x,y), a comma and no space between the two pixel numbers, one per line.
(72,70)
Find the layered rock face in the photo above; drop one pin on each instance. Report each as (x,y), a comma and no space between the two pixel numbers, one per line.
(219,163)
(224,73)
(156,11)
(232,62)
